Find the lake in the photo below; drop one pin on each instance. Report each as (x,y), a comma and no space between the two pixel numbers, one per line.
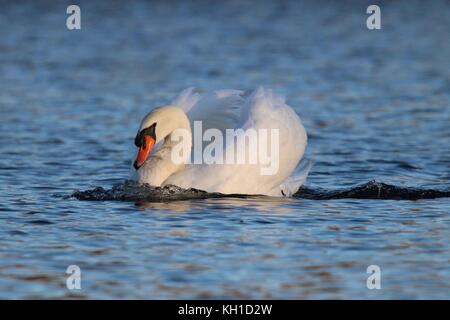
(375,104)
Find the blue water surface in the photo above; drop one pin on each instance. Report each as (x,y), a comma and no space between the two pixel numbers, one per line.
(375,104)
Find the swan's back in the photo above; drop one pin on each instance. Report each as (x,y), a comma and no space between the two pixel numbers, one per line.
(261,110)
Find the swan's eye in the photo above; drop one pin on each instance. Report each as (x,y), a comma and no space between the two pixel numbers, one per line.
(139,141)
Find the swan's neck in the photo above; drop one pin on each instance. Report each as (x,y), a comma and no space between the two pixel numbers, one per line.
(167,158)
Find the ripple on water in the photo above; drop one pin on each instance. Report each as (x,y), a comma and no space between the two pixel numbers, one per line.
(131,191)
(374,104)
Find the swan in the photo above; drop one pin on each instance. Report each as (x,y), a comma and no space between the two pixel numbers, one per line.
(221,110)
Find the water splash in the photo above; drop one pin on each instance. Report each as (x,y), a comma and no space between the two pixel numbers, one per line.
(372,190)
(130,191)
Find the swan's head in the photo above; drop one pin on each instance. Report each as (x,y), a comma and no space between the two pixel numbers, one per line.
(156,126)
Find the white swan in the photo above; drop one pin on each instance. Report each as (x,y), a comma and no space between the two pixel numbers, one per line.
(223,109)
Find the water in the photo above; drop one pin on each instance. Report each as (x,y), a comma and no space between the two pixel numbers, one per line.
(375,104)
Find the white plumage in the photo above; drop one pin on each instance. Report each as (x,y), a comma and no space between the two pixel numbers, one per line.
(227,109)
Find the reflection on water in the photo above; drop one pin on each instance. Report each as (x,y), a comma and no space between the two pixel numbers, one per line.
(262,204)
(375,105)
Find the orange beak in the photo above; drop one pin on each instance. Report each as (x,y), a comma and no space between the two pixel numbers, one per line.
(144,151)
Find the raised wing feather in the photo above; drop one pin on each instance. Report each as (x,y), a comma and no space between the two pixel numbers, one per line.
(219,109)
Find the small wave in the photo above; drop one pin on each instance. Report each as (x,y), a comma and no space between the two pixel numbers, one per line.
(130,191)
(372,190)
